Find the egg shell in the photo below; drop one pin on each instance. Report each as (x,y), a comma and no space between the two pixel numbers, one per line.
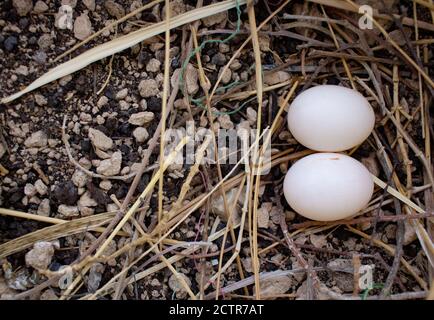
(330,118)
(328,186)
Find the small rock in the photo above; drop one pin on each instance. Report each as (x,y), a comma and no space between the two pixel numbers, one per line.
(344,281)
(65,80)
(409,233)
(122,94)
(112,166)
(22,70)
(227,75)
(40,100)
(10,43)
(100,140)
(40,7)
(68,211)
(154,104)
(85,163)
(215,19)
(40,256)
(219,59)
(41,188)
(99,195)
(148,88)
(390,232)
(225,122)
(29,190)
(95,276)
(102,101)
(318,241)
(114,9)
(37,140)
(302,293)
(264,43)
(45,41)
(191,76)
(102,154)
(177,287)
(399,37)
(105,185)
(236,65)
(44,208)
(224,47)
(23,7)
(82,27)
(124,105)
(217,206)
(40,57)
(176,7)
(141,134)
(90,4)
(275,286)
(276,214)
(141,118)
(86,211)
(6,293)
(79,178)
(66,193)
(153,65)
(20,280)
(276,77)
(86,201)
(49,294)
(264,214)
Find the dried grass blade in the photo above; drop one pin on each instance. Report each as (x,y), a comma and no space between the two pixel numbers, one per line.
(54,232)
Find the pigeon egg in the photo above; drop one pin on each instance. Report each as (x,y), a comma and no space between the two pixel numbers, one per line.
(330,118)
(328,186)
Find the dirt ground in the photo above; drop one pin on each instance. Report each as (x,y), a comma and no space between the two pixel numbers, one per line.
(112,110)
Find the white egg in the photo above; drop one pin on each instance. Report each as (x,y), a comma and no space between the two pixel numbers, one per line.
(330,118)
(328,186)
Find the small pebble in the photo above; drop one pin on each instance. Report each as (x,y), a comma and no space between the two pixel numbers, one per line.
(68,211)
(66,193)
(10,43)
(41,188)
(122,94)
(148,88)
(79,178)
(40,256)
(141,118)
(140,134)
(44,208)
